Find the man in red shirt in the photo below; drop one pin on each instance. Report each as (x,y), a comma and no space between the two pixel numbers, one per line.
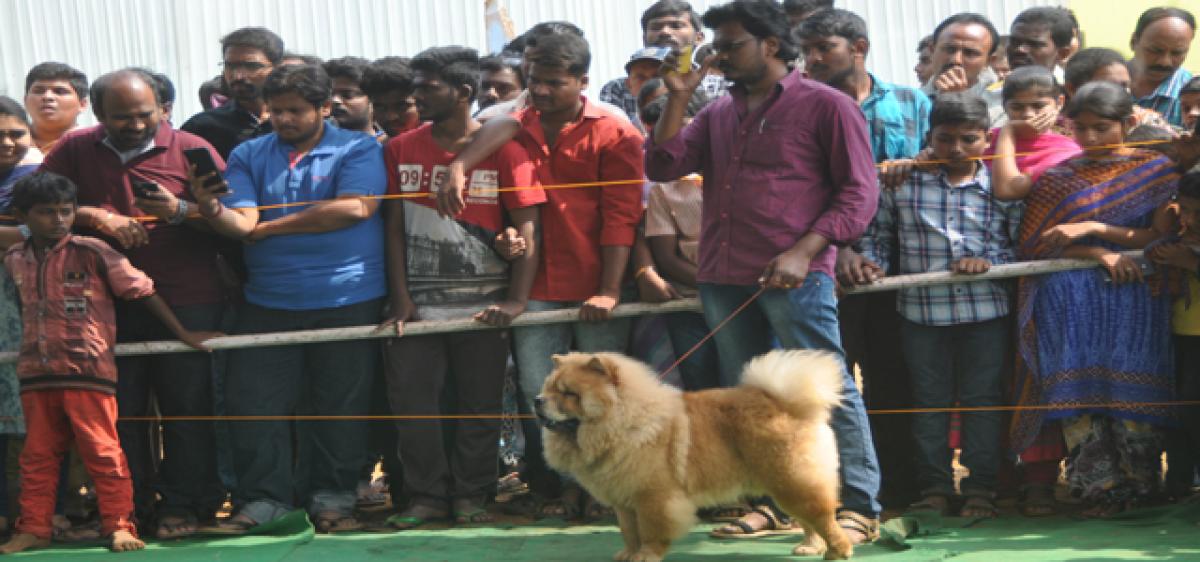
(131,145)
(587,232)
(441,269)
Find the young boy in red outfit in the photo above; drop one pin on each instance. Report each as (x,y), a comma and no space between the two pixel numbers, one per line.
(66,367)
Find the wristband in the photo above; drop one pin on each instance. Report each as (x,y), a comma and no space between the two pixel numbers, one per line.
(25,232)
(180,213)
(642,271)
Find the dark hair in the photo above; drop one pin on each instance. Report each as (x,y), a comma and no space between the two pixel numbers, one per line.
(926,42)
(350,68)
(456,66)
(653,111)
(651,86)
(259,38)
(1189,185)
(497,63)
(1154,14)
(664,8)
(702,52)
(1086,63)
(309,81)
(58,71)
(42,188)
(303,58)
(968,18)
(1032,77)
(1058,20)
(1191,87)
(1146,133)
(959,108)
(805,6)
(761,18)
(12,108)
(163,86)
(1103,99)
(565,50)
(102,84)
(831,22)
(385,75)
(542,29)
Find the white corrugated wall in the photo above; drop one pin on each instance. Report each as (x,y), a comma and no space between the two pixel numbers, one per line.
(180,37)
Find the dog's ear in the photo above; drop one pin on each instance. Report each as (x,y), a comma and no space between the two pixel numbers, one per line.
(557,360)
(600,366)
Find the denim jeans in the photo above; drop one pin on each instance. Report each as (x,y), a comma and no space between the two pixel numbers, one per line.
(534,345)
(701,369)
(802,318)
(969,358)
(334,378)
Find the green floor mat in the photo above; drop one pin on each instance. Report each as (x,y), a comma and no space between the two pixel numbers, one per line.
(1164,534)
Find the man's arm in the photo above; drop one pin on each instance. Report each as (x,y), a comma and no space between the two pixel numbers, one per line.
(527,222)
(494,134)
(674,151)
(401,307)
(237,222)
(667,259)
(852,177)
(361,174)
(620,213)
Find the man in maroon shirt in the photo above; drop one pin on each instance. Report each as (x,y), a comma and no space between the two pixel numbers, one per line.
(129,146)
(788,173)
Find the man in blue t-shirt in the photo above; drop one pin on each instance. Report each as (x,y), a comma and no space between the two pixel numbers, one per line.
(315,263)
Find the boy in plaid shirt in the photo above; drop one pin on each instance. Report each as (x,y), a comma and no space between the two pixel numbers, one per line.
(955,336)
(66,367)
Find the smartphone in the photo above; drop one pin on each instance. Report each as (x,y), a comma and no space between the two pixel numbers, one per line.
(202,160)
(143,189)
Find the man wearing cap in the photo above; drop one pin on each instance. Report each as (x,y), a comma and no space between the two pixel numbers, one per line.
(672,24)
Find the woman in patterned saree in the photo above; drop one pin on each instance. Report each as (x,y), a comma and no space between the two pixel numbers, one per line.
(1096,348)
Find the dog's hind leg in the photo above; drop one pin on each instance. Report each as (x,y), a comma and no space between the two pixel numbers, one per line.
(627,521)
(816,512)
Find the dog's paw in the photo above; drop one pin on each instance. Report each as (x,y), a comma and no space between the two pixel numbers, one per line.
(645,555)
(807,549)
(832,554)
(623,555)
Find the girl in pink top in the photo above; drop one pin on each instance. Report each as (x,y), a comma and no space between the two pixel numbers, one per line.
(1032,100)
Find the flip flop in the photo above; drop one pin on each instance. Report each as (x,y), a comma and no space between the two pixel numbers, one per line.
(741,529)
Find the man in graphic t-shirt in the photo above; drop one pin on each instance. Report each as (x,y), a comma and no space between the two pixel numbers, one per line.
(446,268)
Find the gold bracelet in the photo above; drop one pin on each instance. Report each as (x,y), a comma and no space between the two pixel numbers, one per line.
(642,271)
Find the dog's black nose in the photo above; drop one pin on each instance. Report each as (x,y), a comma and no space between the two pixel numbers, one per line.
(538,400)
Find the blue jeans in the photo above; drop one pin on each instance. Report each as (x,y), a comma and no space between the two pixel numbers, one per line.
(969,358)
(701,369)
(802,318)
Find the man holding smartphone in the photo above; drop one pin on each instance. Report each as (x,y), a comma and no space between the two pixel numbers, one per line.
(132,178)
(315,266)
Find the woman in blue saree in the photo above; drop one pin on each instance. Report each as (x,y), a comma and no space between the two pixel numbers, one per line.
(1095,361)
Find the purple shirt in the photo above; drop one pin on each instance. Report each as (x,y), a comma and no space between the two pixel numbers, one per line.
(799,163)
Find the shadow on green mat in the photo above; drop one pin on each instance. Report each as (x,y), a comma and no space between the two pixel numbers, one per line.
(1155,534)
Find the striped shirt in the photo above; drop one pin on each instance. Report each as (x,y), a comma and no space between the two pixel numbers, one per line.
(926,225)
(1165,98)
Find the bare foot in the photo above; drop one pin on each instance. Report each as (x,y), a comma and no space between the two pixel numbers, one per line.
(21,542)
(124,541)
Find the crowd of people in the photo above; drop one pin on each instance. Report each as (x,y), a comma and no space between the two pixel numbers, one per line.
(765,171)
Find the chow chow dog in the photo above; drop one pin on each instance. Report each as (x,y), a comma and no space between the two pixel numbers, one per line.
(656,454)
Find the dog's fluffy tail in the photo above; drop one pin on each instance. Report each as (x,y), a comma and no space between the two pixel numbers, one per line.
(807,383)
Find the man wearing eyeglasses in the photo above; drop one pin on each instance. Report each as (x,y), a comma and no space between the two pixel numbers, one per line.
(788,174)
(250,53)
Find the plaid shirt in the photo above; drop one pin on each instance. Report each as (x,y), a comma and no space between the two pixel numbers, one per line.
(1165,98)
(616,92)
(926,225)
